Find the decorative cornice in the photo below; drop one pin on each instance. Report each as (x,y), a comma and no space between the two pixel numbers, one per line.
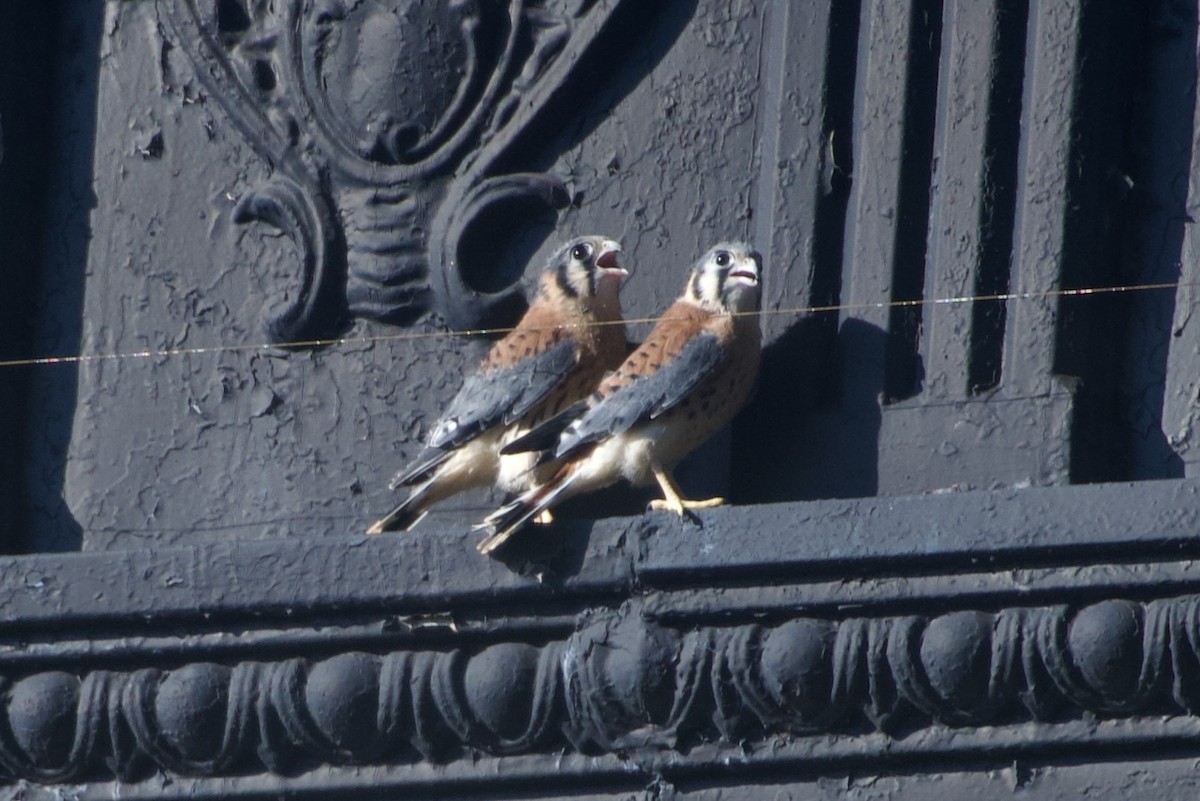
(383,164)
(796,638)
(620,685)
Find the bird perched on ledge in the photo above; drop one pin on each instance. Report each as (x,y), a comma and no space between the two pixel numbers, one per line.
(692,374)
(569,338)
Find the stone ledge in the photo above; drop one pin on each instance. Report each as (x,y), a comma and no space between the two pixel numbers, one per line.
(580,563)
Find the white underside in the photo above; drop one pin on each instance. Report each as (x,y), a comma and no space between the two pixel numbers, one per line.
(630,456)
(516,472)
(472,465)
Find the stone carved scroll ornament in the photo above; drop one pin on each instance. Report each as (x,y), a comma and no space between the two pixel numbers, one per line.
(383,122)
(621,684)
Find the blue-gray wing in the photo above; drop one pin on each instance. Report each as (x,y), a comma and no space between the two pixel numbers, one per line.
(646,396)
(503,394)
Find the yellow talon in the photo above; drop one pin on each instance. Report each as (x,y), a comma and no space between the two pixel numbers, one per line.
(673,500)
(680,505)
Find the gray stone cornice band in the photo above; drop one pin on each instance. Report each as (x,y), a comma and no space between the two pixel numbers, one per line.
(619,685)
(785,638)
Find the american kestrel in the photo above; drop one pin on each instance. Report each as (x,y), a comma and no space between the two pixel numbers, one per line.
(692,374)
(569,338)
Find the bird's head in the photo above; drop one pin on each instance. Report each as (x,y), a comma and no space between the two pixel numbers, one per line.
(588,267)
(728,278)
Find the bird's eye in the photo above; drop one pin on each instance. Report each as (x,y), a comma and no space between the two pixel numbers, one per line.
(723,259)
(580,252)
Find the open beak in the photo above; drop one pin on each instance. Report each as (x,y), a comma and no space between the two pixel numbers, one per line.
(607,264)
(745,273)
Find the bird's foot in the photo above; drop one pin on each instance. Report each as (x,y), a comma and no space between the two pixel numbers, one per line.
(673,500)
(681,506)
(544,518)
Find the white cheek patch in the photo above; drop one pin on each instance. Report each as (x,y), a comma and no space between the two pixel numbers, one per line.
(710,286)
(576,280)
(582,280)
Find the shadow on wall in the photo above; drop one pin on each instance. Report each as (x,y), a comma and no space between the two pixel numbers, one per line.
(798,440)
(48,82)
(1160,157)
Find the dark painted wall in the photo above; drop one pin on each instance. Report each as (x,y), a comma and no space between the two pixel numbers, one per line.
(913,592)
(873,152)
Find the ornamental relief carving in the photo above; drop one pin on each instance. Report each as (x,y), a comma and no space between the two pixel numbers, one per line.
(619,685)
(384,122)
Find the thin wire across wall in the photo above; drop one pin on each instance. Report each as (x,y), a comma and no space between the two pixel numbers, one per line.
(402,336)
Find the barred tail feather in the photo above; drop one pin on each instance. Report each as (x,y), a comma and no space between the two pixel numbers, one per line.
(408,513)
(512,517)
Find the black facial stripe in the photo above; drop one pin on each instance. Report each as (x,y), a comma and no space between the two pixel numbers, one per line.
(723,281)
(564,283)
(696,285)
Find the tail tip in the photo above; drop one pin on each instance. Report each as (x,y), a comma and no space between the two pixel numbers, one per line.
(401,518)
(495,536)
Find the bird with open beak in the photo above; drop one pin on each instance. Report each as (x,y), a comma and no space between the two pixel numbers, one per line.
(689,378)
(571,335)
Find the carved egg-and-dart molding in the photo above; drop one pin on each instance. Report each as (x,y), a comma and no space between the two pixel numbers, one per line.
(383,121)
(624,685)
